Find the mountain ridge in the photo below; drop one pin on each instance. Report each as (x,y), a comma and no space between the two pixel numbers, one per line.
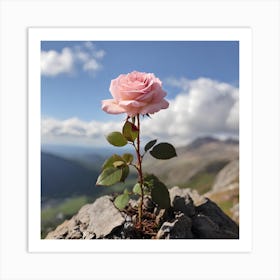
(62,177)
(198,142)
(199,155)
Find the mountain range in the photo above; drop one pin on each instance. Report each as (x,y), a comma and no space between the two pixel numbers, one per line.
(201,159)
(75,174)
(62,177)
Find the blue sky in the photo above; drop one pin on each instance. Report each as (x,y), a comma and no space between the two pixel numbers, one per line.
(75,77)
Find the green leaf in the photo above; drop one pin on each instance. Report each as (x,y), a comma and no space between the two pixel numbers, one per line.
(150,144)
(125,172)
(119,163)
(116,139)
(116,162)
(110,161)
(122,200)
(137,189)
(163,151)
(160,194)
(109,176)
(128,158)
(130,131)
(149,180)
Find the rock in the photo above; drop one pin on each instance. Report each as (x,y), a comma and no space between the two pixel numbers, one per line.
(94,220)
(181,201)
(161,216)
(180,228)
(75,233)
(125,231)
(183,220)
(228,196)
(204,228)
(88,235)
(133,203)
(104,217)
(61,231)
(148,204)
(212,222)
(196,198)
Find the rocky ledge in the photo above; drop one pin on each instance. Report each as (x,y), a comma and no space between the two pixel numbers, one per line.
(190,216)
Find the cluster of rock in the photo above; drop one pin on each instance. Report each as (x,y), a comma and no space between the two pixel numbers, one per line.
(190,216)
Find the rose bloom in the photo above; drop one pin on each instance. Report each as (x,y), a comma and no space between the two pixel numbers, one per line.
(135,93)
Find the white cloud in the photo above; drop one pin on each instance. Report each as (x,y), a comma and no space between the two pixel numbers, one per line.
(204,107)
(100,54)
(74,130)
(92,64)
(68,61)
(54,63)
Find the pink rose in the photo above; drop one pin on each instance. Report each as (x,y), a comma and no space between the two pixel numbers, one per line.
(135,93)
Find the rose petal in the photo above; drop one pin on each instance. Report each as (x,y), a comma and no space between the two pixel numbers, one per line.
(110,106)
(155,107)
(159,95)
(132,103)
(154,96)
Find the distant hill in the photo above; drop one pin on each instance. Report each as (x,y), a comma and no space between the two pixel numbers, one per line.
(196,165)
(201,141)
(74,171)
(225,190)
(61,178)
(68,151)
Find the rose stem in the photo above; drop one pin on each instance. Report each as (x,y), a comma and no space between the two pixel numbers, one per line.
(140,174)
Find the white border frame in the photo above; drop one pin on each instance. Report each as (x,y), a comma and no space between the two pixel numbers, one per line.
(262,16)
(243,35)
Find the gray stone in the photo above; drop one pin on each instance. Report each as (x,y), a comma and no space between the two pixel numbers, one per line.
(161,216)
(88,235)
(66,230)
(180,228)
(75,234)
(183,220)
(181,201)
(217,216)
(104,217)
(204,228)
(60,232)
(148,204)
(94,220)
(133,203)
